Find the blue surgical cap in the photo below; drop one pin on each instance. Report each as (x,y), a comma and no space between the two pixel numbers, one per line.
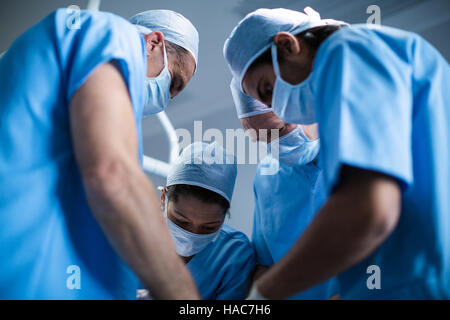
(175,27)
(246,106)
(205,165)
(254,35)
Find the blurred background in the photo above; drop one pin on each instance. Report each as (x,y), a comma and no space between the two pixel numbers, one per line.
(207,96)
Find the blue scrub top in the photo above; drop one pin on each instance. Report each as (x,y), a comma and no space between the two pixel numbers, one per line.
(46,226)
(382,100)
(224,269)
(280,219)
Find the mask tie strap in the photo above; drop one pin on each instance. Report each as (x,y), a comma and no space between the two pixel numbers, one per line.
(276,67)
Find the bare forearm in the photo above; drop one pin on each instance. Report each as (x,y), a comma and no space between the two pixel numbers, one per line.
(342,234)
(121,197)
(325,249)
(129,215)
(260,270)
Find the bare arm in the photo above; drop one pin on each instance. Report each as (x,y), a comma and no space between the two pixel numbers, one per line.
(120,195)
(356,219)
(260,270)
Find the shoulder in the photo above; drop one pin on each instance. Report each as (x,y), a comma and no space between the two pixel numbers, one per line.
(99,24)
(87,39)
(234,241)
(371,41)
(352,38)
(97,33)
(230,234)
(73,15)
(366,33)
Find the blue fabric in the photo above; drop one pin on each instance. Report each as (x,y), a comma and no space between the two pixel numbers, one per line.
(280,218)
(175,27)
(45,222)
(224,269)
(246,106)
(254,34)
(382,100)
(205,165)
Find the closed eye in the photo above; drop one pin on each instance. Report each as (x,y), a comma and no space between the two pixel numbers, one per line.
(181,222)
(180,218)
(211,228)
(265,92)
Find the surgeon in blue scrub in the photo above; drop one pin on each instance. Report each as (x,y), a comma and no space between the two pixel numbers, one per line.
(195,202)
(290,167)
(380,97)
(79,219)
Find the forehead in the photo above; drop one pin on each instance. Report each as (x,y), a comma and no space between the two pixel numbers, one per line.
(197,210)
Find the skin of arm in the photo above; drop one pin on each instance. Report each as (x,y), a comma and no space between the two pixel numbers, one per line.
(121,197)
(259,271)
(360,214)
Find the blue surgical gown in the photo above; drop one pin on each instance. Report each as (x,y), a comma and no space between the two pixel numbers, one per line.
(382,99)
(46,226)
(224,269)
(285,204)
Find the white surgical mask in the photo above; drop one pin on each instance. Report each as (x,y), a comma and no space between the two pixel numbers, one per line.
(292,103)
(295,148)
(158,90)
(187,243)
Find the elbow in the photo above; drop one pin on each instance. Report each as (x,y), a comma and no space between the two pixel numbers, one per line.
(383,221)
(374,202)
(104,179)
(383,214)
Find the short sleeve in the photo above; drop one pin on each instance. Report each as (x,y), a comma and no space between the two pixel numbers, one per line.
(263,255)
(363,104)
(101,37)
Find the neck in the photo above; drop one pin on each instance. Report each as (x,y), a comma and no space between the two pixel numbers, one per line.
(311,131)
(186,259)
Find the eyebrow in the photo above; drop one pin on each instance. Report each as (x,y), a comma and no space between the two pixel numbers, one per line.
(181,214)
(214,222)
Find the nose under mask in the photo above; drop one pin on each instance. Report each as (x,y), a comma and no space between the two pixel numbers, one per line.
(292,103)
(187,243)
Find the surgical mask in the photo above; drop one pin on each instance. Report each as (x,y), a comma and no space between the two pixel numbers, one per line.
(295,148)
(158,90)
(292,103)
(187,243)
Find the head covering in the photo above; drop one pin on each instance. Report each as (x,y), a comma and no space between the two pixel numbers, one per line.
(254,34)
(175,27)
(246,106)
(205,165)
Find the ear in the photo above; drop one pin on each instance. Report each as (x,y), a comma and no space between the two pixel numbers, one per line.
(288,44)
(153,40)
(163,198)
